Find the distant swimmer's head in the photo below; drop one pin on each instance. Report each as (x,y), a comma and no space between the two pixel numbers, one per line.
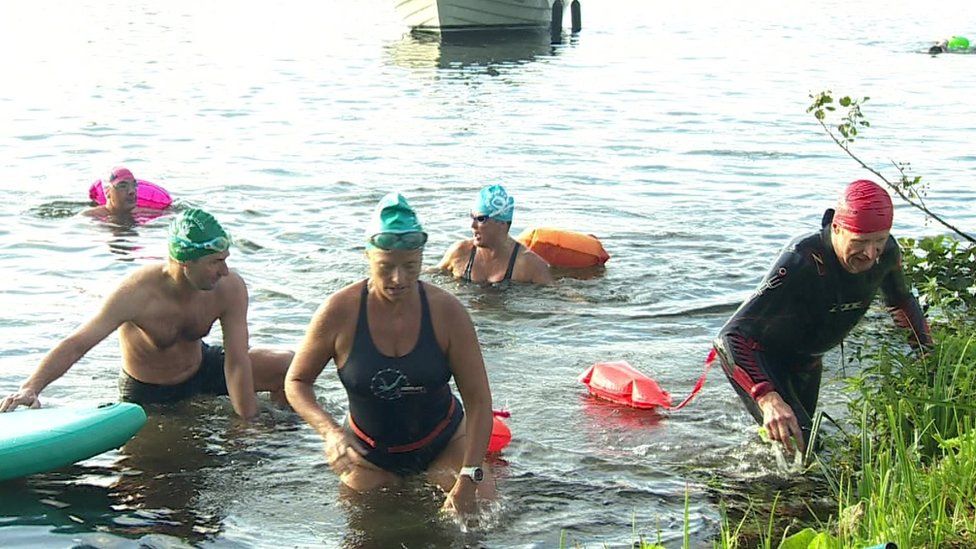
(952,44)
(394,225)
(957,43)
(493,202)
(861,225)
(195,234)
(121,190)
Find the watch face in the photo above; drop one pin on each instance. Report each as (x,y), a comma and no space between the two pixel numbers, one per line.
(479,475)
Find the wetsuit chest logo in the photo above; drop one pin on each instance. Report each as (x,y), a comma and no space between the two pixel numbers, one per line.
(392,384)
(847,307)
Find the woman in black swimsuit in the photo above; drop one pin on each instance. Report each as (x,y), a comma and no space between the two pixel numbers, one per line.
(492,256)
(397,342)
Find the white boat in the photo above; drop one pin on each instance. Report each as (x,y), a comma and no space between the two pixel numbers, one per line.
(450,15)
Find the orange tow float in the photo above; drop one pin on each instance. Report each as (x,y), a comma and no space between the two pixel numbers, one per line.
(561,248)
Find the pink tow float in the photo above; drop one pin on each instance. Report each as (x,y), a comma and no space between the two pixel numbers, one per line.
(619,382)
(148,195)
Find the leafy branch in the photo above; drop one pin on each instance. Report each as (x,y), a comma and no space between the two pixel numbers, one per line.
(910,189)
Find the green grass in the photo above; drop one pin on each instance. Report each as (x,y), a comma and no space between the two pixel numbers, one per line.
(909,476)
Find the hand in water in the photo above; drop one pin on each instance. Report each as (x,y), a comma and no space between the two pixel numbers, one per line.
(461,501)
(780,421)
(23,397)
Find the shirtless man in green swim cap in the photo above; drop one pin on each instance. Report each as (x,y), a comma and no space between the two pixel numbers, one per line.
(162,312)
(491,255)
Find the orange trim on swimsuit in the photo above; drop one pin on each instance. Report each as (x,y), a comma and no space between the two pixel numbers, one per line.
(438,429)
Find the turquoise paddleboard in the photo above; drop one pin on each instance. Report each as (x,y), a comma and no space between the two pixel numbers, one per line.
(35,441)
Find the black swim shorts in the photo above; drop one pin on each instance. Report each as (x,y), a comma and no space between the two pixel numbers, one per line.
(208,380)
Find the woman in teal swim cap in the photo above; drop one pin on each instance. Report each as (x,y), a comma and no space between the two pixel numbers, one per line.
(492,256)
(396,343)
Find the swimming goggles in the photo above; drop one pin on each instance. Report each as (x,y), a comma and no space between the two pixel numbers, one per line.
(216,244)
(481,218)
(125,183)
(399,241)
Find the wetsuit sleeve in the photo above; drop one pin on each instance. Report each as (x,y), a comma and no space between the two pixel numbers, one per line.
(742,342)
(744,363)
(901,303)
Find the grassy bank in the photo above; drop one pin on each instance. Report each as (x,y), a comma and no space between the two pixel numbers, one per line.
(906,473)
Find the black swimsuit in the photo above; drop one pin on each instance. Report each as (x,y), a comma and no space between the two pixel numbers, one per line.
(401,409)
(804,307)
(508,273)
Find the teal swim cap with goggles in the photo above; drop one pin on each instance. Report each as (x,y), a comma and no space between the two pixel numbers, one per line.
(394,225)
(195,234)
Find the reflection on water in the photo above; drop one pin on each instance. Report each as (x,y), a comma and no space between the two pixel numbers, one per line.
(419,50)
(121,226)
(388,518)
(151,488)
(166,467)
(57,209)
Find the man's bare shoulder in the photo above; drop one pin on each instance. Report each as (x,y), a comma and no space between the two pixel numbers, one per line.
(133,296)
(95,211)
(146,278)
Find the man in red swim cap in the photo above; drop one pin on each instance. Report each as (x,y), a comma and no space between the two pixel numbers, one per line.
(817,291)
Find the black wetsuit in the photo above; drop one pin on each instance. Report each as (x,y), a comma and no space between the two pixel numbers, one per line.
(401,409)
(508,273)
(804,307)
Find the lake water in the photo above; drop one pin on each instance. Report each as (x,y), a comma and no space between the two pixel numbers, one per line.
(676,132)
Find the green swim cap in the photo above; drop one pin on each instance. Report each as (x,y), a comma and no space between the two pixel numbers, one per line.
(958,43)
(392,215)
(194,234)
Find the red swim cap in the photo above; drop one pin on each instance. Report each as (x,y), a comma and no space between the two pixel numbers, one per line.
(865,207)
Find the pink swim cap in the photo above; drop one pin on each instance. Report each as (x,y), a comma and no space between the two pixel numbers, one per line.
(865,207)
(120,173)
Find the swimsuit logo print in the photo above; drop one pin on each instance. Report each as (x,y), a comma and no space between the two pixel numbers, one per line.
(388,383)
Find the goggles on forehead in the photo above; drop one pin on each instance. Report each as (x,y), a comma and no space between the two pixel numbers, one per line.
(216,244)
(114,183)
(399,241)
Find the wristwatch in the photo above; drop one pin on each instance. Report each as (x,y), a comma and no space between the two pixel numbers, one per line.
(476,474)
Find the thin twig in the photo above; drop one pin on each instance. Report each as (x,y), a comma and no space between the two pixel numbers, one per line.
(897,189)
